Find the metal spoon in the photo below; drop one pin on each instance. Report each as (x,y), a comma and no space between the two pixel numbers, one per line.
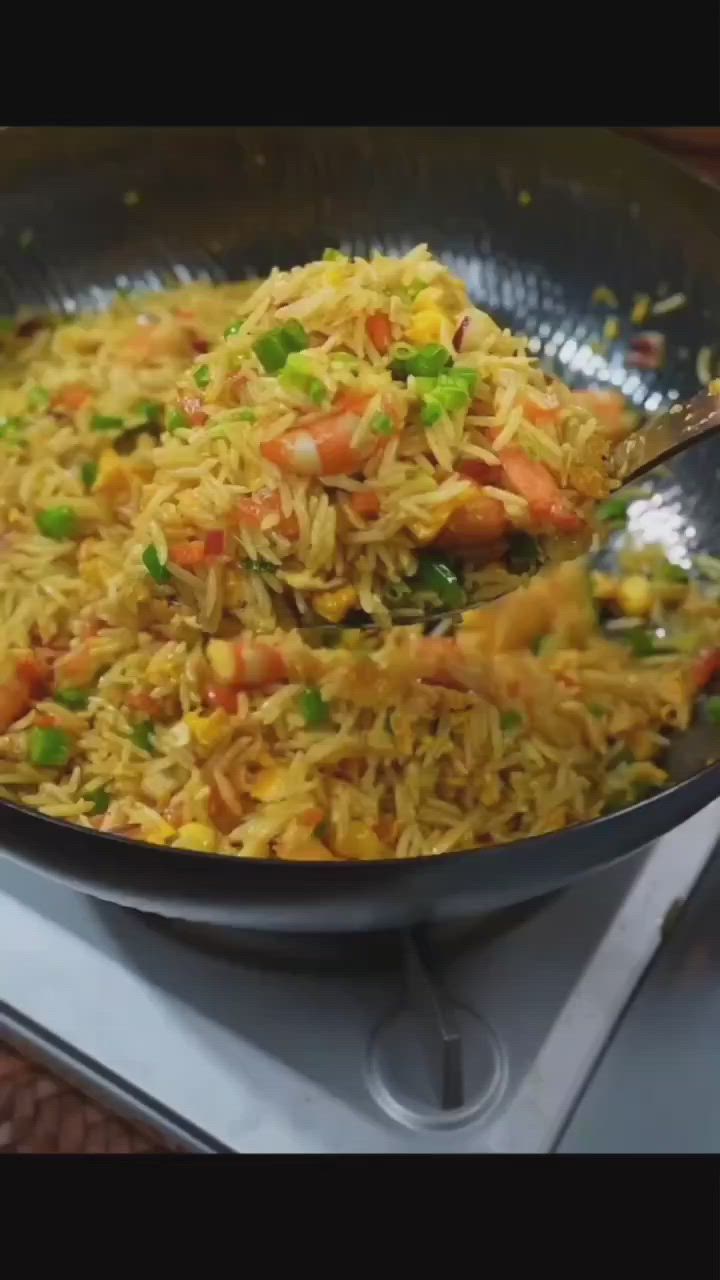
(655,442)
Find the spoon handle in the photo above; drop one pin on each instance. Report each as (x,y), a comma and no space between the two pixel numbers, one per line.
(665,435)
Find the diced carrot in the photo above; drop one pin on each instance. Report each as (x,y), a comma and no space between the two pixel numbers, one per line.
(15,700)
(365,503)
(220,813)
(481,472)
(540,416)
(215,542)
(312,817)
(34,672)
(379,332)
(251,511)
(222,696)
(188,554)
(349,402)
(705,667)
(71,397)
(183,314)
(45,722)
(142,701)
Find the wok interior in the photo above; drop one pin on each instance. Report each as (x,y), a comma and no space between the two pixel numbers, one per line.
(534,222)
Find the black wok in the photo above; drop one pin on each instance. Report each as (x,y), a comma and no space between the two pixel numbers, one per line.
(234,202)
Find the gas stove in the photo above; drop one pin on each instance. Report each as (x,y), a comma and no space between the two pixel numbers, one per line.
(482,1038)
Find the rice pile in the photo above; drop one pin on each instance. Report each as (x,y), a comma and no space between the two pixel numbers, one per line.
(150,691)
(370,443)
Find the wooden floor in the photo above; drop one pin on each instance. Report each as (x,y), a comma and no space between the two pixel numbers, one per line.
(42,1115)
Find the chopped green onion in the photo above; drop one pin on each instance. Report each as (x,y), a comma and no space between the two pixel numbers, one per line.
(596,710)
(423,386)
(143,736)
(297,375)
(154,565)
(7,324)
(101,422)
(51,748)
(100,800)
(11,429)
(151,411)
(436,575)
(261,566)
(271,351)
(544,646)
(57,522)
(523,553)
(510,721)
(615,510)
(294,336)
(466,378)
(317,391)
(424,362)
(202,376)
(381,424)
(314,708)
(177,420)
(73,699)
(247,415)
(643,643)
(323,831)
(450,394)
(233,329)
(712,709)
(432,412)
(333,255)
(670,572)
(88,474)
(38,399)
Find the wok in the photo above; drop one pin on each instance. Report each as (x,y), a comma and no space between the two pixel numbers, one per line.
(234,202)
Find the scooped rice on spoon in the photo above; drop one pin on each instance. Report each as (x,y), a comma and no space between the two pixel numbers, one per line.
(366,446)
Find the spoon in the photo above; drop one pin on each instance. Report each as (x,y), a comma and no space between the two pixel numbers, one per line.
(654,443)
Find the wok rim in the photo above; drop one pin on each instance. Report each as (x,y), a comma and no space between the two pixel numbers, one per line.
(369,867)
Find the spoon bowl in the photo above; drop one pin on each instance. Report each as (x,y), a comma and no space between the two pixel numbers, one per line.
(659,439)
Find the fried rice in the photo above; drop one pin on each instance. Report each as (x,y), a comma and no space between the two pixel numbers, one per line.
(169,696)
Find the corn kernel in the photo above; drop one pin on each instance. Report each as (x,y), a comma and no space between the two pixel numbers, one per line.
(334,605)
(361,842)
(635,596)
(113,472)
(221,656)
(160,833)
(604,586)
(427,326)
(269,785)
(641,308)
(209,731)
(428,529)
(195,835)
(310,850)
(490,790)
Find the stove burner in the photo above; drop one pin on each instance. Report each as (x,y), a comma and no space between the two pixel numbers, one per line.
(351,952)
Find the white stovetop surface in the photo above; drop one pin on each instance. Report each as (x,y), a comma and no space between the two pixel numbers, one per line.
(276,1062)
